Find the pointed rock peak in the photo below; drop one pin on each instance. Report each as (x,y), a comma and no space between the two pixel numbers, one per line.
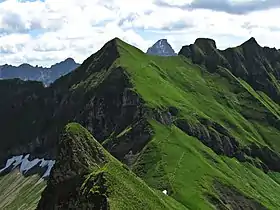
(109,52)
(205,43)
(112,46)
(252,42)
(114,42)
(161,48)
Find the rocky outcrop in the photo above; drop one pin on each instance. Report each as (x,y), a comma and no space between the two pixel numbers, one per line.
(212,135)
(229,197)
(78,155)
(259,66)
(161,48)
(219,139)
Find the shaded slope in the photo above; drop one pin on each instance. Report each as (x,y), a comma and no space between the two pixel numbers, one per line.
(25,109)
(87,177)
(98,95)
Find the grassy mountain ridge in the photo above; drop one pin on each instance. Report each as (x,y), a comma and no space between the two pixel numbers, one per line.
(181,127)
(93,179)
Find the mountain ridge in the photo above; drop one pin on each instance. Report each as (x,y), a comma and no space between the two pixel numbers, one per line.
(38,73)
(180,127)
(259,66)
(95,178)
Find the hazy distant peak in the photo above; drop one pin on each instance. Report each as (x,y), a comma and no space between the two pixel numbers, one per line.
(161,48)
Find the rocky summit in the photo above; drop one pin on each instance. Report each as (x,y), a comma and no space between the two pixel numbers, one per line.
(129,130)
(258,66)
(161,48)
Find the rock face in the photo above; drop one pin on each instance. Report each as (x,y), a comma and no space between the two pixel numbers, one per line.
(258,66)
(219,139)
(161,48)
(45,75)
(231,198)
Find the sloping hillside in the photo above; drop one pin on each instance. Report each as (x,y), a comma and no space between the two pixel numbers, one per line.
(86,176)
(210,138)
(18,192)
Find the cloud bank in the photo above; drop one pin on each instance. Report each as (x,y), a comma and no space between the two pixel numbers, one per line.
(42,32)
(228,6)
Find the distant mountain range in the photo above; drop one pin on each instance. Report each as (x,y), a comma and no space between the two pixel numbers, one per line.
(49,75)
(161,48)
(45,75)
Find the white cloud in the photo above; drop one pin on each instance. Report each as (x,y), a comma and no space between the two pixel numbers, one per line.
(47,32)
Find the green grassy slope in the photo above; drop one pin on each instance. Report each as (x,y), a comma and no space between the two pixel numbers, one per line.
(188,169)
(175,81)
(86,176)
(19,192)
(209,139)
(181,163)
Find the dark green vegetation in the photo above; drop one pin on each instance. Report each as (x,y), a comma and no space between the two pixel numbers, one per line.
(206,130)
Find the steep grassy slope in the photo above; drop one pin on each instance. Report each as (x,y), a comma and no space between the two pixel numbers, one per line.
(86,176)
(210,138)
(194,175)
(240,116)
(19,192)
(174,81)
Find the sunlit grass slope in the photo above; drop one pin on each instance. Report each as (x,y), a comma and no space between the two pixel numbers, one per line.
(175,161)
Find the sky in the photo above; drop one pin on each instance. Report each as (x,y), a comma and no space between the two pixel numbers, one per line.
(44,32)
